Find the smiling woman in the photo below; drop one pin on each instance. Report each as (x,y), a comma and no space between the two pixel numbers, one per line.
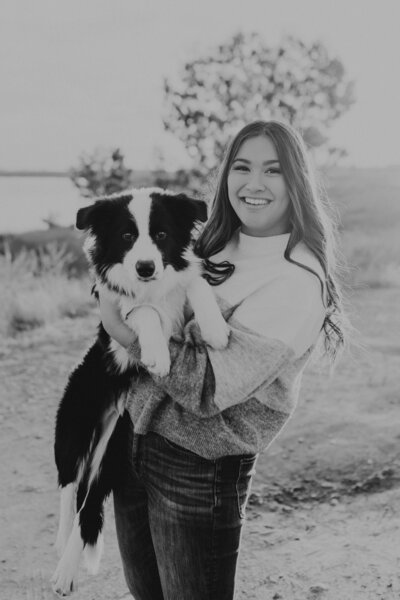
(196,433)
(257,190)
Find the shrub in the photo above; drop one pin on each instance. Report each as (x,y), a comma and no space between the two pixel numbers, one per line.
(58,248)
(101,173)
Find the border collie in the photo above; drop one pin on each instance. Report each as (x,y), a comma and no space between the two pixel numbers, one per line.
(139,247)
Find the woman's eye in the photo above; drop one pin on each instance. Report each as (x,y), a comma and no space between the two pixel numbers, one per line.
(128,237)
(273,171)
(240,168)
(160,235)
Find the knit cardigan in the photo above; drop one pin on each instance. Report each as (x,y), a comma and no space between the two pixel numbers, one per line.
(235,401)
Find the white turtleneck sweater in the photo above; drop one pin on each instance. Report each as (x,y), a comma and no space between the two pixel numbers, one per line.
(279,299)
(236,400)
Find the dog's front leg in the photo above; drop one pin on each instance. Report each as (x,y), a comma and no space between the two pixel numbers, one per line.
(67,514)
(146,322)
(213,326)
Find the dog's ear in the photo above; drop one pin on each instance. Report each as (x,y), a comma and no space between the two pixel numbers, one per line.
(83,217)
(88,216)
(198,207)
(201,210)
(101,211)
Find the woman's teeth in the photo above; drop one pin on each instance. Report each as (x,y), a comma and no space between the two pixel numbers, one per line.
(256,201)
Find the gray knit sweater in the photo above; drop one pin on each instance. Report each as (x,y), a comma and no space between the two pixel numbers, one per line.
(235,401)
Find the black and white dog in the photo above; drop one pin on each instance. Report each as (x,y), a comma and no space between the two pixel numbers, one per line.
(139,247)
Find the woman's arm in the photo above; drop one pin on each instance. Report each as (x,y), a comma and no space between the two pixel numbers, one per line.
(112,321)
(269,331)
(118,329)
(206,381)
(189,361)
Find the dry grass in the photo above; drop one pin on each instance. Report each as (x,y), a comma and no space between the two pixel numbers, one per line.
(36,291)
(372,261)
(368,203)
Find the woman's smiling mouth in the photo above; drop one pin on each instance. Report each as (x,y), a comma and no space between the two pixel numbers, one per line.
(255,201)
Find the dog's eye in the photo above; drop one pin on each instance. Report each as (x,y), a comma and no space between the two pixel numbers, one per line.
(128,237)
(160,235)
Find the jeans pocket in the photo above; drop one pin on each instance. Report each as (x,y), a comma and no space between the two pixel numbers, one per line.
(243,483)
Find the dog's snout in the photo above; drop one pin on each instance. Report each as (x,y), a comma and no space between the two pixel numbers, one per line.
(145,268)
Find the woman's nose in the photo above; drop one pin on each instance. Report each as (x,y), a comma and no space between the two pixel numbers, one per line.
(255,182)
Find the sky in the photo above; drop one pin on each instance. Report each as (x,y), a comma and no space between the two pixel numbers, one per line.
(81,74)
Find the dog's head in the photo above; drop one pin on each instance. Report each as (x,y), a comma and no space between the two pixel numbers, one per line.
(136,235)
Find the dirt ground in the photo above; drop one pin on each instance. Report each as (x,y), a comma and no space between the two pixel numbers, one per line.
(323,518)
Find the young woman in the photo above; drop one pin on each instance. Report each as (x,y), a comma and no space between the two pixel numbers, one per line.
(268,247)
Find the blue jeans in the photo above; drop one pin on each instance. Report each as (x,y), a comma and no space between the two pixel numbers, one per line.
(179,519)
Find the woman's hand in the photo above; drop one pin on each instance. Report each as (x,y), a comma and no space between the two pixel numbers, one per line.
(112,320)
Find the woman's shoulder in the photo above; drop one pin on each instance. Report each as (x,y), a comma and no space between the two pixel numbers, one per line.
(306,258)
(307,270)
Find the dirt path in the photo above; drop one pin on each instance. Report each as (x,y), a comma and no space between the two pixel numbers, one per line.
(348,551)
(314,530)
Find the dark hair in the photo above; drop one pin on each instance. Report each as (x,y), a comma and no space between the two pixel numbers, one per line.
(311,220)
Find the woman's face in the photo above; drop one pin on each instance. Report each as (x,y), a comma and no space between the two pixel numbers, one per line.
(256,189)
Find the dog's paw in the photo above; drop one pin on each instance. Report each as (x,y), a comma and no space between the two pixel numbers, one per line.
(217,335)
(63,584)
(156,361)
(65,575)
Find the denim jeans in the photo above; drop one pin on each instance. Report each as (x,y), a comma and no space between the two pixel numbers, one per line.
(179,519)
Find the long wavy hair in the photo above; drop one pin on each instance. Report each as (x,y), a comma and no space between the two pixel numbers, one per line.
(312,221)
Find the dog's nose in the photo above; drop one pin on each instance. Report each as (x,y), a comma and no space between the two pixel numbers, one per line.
(145,268)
